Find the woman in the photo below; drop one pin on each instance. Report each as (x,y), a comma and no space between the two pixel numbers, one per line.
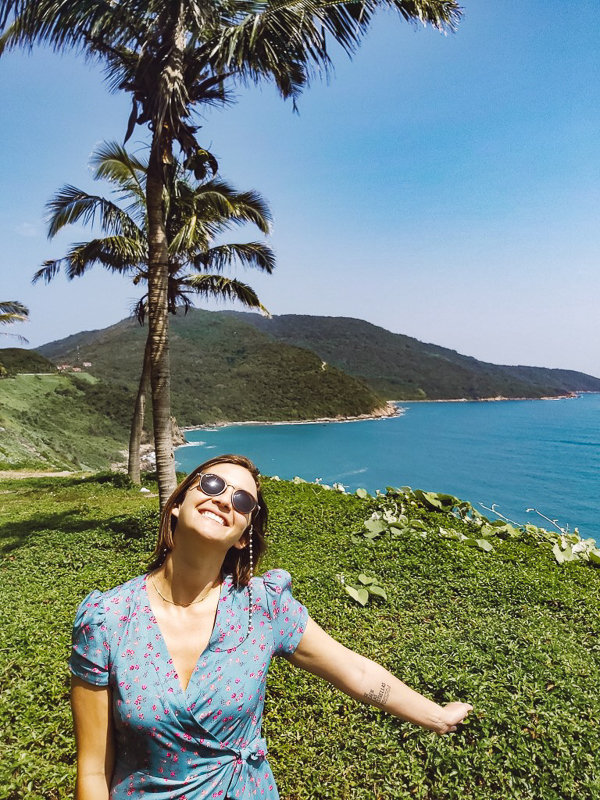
(169,669)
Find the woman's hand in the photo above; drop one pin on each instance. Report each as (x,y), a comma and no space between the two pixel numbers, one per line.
(368,682)
(452,715)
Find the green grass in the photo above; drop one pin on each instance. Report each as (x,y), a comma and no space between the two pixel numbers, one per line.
(64,421)
(510,631)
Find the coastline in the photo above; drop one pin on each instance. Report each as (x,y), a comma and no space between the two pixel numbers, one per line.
(391,409)
(499,399)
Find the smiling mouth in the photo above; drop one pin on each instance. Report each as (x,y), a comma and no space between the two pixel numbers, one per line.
(211,515)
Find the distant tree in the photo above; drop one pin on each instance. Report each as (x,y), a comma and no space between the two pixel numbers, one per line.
(173,56)
(197,212)
(12,311)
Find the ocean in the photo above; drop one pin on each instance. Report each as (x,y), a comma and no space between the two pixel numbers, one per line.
(514,455)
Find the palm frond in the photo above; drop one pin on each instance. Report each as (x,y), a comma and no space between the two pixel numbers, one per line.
(112,162)
(115,253)
(250,254)
(12,311)
(139,309)
(218,287)
(48,270)
(73,25)
(70,205)
(192,234)
(219,200)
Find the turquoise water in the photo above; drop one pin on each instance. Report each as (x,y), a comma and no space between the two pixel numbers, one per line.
(540,453)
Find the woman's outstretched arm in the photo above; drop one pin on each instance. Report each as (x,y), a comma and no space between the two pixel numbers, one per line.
(92,720)
(364,680)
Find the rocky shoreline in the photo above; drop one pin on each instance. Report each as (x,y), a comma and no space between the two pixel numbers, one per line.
(390,409)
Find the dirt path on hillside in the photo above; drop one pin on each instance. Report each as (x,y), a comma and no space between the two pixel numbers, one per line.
(16,474)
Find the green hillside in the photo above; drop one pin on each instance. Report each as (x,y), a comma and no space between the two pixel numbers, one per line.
(17,360)
(65,421)
(399,367)
(223,369)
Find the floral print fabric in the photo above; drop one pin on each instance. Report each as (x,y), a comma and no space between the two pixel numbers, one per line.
(205,742)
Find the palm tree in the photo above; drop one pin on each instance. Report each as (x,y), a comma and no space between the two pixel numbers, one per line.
(175,55)
(12,311)
(197,212)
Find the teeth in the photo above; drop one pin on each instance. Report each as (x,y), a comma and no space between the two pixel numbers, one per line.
(210,515)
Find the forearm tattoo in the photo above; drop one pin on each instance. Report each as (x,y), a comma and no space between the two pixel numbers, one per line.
(379,698)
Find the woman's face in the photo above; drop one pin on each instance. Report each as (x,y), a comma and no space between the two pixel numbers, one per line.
(215,518)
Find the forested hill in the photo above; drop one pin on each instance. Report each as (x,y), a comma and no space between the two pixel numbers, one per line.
(223,369)
(399,367)
(17,360)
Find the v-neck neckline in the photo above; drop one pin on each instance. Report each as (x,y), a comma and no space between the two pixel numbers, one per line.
(214,635)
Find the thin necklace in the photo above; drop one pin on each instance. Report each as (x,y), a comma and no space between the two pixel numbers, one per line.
(173,602)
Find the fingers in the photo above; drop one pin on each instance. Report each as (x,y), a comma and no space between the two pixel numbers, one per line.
(455,714)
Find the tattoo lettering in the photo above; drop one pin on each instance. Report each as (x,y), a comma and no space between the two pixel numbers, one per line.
(379,698)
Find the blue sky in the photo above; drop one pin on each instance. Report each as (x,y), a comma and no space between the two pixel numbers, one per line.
(446,187)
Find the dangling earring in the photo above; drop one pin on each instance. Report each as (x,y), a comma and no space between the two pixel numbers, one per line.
(250,532)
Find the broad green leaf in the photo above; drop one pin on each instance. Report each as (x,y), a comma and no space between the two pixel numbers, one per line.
(448,534)
(470,541)
(428,498)
(558,553)
(372,535)
(356,539)
(568,554)
(531,528)
(417,524)
(376,526)
(505,530)
(365,580)
(485,545)
(594,556)
(359,594)
(447,500)
(362,493)
(378,591)
(363,596)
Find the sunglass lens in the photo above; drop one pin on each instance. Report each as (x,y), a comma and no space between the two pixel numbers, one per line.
(212,484)
(243,501)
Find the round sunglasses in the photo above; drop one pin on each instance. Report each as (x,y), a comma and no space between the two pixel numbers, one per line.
(214,485)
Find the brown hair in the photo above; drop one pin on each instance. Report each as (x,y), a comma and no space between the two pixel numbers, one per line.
(237,562)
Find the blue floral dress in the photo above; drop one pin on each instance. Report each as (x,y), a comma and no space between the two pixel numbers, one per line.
(205,742)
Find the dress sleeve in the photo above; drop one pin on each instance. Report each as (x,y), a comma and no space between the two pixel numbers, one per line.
(288,615)
(90,651)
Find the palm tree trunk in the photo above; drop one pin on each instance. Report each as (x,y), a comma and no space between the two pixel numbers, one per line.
(158,323)
(161,158)
(137,423)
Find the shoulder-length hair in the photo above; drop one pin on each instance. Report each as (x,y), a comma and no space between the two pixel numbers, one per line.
(237,561)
